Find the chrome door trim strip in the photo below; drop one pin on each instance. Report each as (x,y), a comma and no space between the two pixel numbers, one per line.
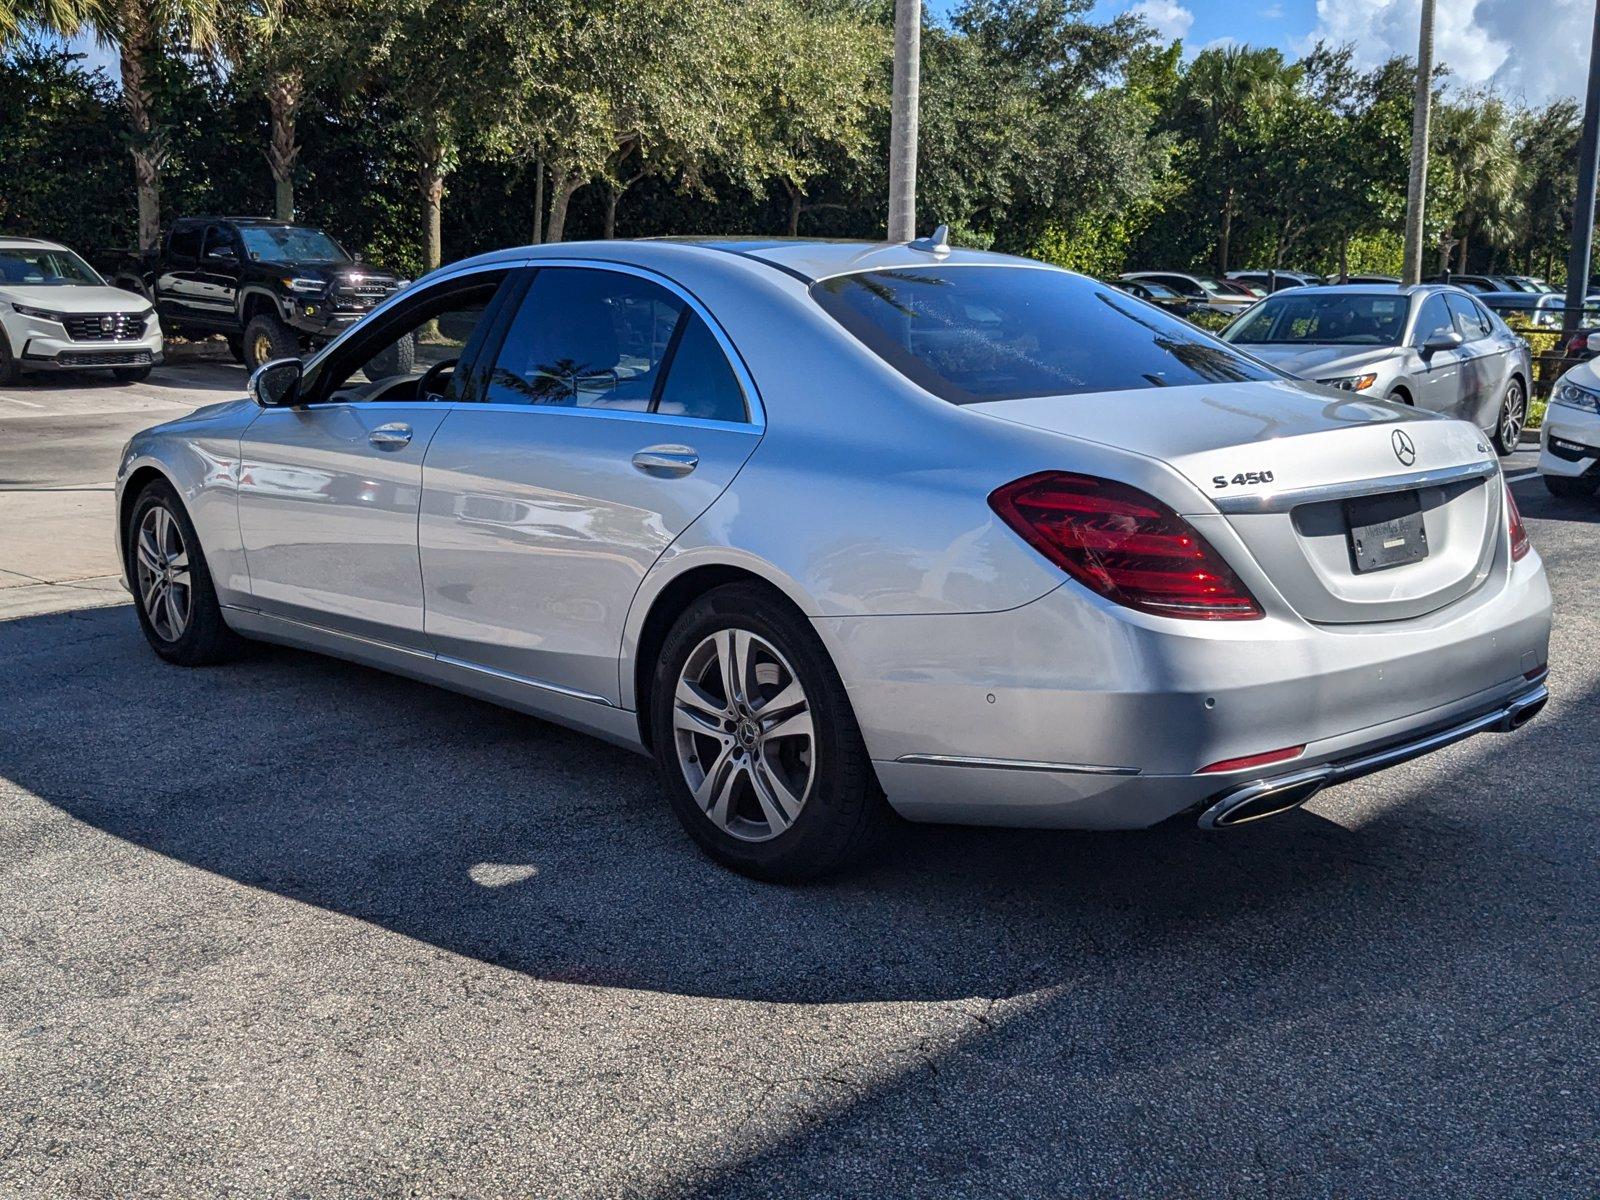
(1285,500)
(1012,764)
(323,630)
(523,680)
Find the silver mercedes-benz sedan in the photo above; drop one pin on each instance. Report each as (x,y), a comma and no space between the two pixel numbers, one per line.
(841,530)
(1433,346)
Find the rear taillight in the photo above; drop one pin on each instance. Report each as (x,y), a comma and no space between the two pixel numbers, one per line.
(1520,545)
(1126,545)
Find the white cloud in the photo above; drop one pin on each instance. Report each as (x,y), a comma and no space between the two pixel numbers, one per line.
(1167,17)
(1531,50)
(1272,12)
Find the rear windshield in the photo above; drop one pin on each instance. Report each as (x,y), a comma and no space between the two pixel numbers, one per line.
(971,334)
(1323,319)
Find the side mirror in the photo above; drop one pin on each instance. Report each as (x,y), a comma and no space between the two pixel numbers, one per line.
(1441,339)
(276,384)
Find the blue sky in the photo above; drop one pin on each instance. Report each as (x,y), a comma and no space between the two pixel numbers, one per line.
(1530,50)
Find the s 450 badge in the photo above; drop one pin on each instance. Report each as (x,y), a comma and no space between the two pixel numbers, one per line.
(1243,479)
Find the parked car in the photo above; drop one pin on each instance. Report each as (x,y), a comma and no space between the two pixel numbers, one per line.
(1543,310)
(57,313)
(1432,346)
(1158,293)
(1569,439)
(834,530)
(272,288)
(1275,281)
(1475,283)
(1371,279)
(1202,289)
(1529,283)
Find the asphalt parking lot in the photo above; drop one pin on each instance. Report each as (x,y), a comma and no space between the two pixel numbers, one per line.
(293,928)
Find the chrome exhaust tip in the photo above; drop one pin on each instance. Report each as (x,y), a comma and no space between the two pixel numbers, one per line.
(1258,801)
(1524,710)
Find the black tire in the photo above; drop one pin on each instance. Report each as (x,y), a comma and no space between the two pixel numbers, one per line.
(397,359)
(845,814)
(1572,487)
(1400,397)
(130,374)
(10,372)
(206,638)
(236,347)
(1510,419)
(267,338)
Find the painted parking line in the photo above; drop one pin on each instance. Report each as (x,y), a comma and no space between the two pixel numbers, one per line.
(1521,475)
(24,403)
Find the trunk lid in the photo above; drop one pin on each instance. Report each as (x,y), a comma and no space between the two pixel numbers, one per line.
(1280,464)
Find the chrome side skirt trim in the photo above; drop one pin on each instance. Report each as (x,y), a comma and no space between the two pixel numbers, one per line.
(522,680)
(426,656)
(1012,764)
(1285,500)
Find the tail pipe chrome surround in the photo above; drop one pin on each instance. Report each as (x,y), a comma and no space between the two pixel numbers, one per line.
(1268,797)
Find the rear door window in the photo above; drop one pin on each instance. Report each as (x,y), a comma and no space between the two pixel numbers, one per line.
(185,243)
(1470,323)
(970,334)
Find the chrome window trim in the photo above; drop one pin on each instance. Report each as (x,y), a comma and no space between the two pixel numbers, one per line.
(1283,501)
(755,410)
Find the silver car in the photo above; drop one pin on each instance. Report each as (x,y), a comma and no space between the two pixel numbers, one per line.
(1433,346)
(841,530)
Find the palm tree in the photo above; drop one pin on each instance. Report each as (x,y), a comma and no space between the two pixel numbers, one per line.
(1475,137)
(138,29)
(1227,93)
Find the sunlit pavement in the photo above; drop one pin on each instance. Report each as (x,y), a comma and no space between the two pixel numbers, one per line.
(293,928)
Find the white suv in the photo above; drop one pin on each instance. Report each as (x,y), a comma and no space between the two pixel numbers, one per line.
(56,313)
(1569,443)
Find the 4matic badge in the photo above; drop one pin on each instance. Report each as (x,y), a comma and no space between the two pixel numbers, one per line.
(1243,479)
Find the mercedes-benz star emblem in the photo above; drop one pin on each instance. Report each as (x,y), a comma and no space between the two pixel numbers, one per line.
(1403,449)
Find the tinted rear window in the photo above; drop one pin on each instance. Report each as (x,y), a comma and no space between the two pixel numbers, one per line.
(971,334)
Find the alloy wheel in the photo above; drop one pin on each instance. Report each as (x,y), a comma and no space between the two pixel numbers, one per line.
(745,740)
(162,562)
(261,350)
(1512,415)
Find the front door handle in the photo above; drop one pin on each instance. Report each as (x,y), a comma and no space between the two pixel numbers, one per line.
(391,437)
(666,460)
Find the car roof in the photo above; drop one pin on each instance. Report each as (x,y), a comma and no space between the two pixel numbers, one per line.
(805,259)
(205,220)
(17,242)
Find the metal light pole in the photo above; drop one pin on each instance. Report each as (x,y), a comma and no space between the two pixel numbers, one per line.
(903,120)
(1583,209)
(1417,189)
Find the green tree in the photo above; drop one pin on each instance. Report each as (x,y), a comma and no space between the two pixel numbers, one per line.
(1474,136)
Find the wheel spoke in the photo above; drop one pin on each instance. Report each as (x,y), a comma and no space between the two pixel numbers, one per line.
(796,724)
(152,595)
(791,697)
(719,766)
(149,557)
(733,656)
(697,710)
(174,613)
(163,523)
(773,797)
(180,559)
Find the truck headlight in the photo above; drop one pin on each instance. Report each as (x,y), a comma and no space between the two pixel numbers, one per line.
(1573,396)
(303,285)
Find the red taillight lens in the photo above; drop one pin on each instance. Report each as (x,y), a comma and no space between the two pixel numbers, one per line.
(1520,545)
(1127,546)
(1253,760)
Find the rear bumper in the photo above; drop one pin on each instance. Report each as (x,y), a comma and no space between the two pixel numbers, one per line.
(1070,713)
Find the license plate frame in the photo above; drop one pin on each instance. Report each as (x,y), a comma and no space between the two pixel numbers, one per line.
(1385,531)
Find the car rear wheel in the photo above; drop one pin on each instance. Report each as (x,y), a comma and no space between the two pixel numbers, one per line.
(1513,416)
(756,741)
(173,593)
(267,338)
(1572,487)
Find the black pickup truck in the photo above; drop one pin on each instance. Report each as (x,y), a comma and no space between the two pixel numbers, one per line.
(274,289)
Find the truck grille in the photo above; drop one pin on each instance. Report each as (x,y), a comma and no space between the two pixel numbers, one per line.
(362,294)
(105,327)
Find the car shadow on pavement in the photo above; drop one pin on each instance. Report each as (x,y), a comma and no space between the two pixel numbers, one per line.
(539,850)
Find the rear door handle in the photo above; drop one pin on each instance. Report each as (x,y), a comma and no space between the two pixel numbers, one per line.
(391,437)
(666,460)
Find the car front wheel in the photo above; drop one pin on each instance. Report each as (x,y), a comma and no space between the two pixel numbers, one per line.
(266,338)
(756,741)
(173,593)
